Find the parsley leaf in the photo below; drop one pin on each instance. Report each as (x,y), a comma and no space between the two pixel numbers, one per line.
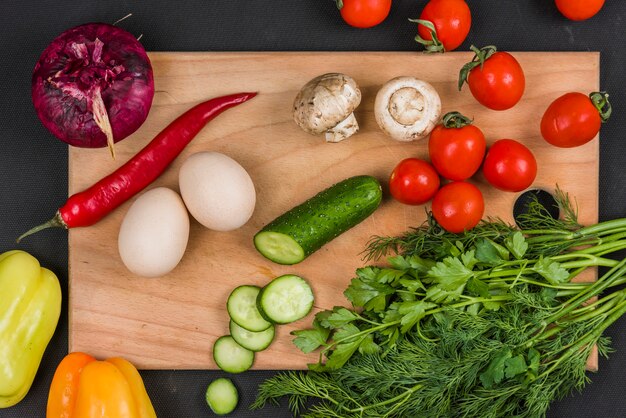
(490,253)
(412,284)
(345,349)
(364,290)
(413,262)
(515,366)
(493,305)
(478,287)
(450,277)
(533,365)
(309,340)
(551,270)
(451,270)
(389,275)
(495,371)
(340,317)
(412,313)
(516,243)
(368,346)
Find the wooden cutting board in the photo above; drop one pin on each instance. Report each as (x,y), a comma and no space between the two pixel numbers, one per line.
(172,322)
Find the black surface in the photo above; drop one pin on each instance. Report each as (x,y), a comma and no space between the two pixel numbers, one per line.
(33,167)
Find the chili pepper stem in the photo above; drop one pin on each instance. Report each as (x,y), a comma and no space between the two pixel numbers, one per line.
(55,222)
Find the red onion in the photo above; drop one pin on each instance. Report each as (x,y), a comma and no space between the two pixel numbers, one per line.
(93,85)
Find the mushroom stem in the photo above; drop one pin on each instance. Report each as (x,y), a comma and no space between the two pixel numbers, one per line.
(343,129)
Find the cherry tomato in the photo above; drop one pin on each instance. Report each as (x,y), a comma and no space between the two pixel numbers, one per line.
(458,206)
(574,119)
(456,147)
(579,9)
(510,166)
(413,182)
(364,13)
(451,19)
(498,83)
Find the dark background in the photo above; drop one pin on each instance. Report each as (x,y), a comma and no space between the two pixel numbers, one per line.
(33,164)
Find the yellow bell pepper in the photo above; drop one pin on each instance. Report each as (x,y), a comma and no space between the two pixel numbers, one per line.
(83,387)
(30,305)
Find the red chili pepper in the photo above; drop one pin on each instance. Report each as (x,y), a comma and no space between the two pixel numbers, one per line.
(89,206)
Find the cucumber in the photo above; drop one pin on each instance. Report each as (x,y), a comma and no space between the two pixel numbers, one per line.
(285,299)
(254,341)
(222,396)
(242,309)
(230,356)
(298,233)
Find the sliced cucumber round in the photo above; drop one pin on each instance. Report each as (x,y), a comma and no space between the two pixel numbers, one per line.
(285,299)
(230,356)
(279,247)
(255,341)
(242,308)
(222,396)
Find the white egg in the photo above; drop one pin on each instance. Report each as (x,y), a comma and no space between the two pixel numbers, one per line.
(154,233)
(217,191)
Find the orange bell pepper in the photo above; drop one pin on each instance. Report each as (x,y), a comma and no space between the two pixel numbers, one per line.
(84,387)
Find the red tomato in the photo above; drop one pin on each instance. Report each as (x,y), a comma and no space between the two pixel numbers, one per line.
(573,119)
(499,83)
(510,166)
(579,9)
(456,152)
(413,182)
(364,13)
(458,206)
(452,20)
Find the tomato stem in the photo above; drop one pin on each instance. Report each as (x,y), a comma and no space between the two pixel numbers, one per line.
(600,100)
(480,56)
(339,4)
(431,45)
(455,120)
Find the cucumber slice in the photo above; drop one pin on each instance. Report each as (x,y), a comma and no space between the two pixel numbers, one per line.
(298,233)
(230,356)
(242,309)
(280,248)
(222,396)
(255,341)
(285,299)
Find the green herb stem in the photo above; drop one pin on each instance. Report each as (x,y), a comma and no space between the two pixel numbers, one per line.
(403,395)
(574,303)
(595,304)
(607,227)
(606,305)
(589,338)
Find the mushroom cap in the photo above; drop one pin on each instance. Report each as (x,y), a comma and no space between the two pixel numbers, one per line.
(325,101)
(407,109)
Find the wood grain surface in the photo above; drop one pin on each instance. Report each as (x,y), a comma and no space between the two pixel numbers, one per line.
(172,322)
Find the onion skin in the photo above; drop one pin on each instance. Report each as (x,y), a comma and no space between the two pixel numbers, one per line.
(82,65)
